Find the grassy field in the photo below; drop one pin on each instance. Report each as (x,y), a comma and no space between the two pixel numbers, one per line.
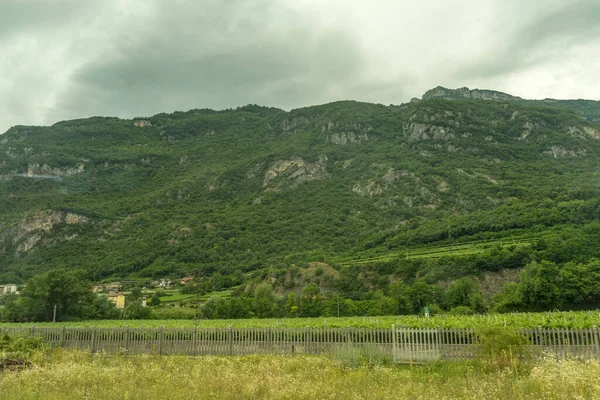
(71,375)
(568,319)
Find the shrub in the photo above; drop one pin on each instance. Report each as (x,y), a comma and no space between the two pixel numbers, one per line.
(502,348)
(20,347)
(461,310)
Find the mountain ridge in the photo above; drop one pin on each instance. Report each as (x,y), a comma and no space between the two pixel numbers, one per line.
(261,190)
(439,93)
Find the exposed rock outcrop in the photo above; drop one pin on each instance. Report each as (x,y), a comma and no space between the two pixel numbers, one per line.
(416,132)
(349,137)
(142,122)
(293,172)
(45,169)
(583,132)
(289,124)
(559,152)
(27,233)
(466,93)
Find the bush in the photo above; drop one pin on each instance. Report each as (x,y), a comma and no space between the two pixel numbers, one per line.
(502,347)
(135,310)
(20,347)
(461,310)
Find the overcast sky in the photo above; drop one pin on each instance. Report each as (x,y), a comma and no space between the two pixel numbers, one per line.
(64,59)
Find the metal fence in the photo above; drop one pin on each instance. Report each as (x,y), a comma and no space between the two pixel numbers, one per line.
(398,344)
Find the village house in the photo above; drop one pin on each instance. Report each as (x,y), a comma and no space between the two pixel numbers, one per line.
(164,283)
(108,287)
(185,280)
(8,288)
(118,299)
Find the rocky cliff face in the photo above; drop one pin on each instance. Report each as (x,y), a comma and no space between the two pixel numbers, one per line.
(28,232)
(468,94)
(294,171)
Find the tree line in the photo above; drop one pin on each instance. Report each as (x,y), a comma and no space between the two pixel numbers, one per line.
(542,286)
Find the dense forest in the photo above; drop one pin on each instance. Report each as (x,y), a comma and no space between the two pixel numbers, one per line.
(449,202)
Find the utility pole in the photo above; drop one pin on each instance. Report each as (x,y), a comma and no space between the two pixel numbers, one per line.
(54,315)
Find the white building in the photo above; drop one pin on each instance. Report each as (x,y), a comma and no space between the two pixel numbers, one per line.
(8,288)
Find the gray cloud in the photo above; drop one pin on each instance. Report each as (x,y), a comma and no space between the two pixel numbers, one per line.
(62,59)
(219,55)
(554,28)
(574,21)
(36,15)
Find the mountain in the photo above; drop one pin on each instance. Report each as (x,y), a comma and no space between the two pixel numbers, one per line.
(436,189)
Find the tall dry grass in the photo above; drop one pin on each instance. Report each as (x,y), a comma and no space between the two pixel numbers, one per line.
(74,375)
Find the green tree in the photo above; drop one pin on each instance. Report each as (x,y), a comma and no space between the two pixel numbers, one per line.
(291,305)
(509,300)
(70,291)
(464,292)
(401,294)
(155,300)
(14,309)
(264,301)
(135,310)
(104,309)
(136,293)
(213,308)
(540,286)
(310,301)
(580,283)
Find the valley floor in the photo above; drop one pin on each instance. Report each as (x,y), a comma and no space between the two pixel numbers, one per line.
(73,375)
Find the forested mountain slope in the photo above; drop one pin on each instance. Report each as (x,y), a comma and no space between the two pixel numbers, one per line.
(261,189)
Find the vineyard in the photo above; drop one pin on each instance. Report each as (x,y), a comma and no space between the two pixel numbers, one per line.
(567,319)
(454,250)
(175,296)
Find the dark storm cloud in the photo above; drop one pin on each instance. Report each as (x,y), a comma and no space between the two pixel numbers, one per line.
(219,54)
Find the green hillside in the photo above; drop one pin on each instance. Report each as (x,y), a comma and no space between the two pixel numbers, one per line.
(435,189)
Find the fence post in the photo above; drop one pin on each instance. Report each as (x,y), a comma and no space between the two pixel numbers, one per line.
(160,340)
(93,341)
(596,344)
(194,339)
(348,338)
(126,339)
(62,337)
(269,340)
(230,339)
(439,338)
(393,343)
